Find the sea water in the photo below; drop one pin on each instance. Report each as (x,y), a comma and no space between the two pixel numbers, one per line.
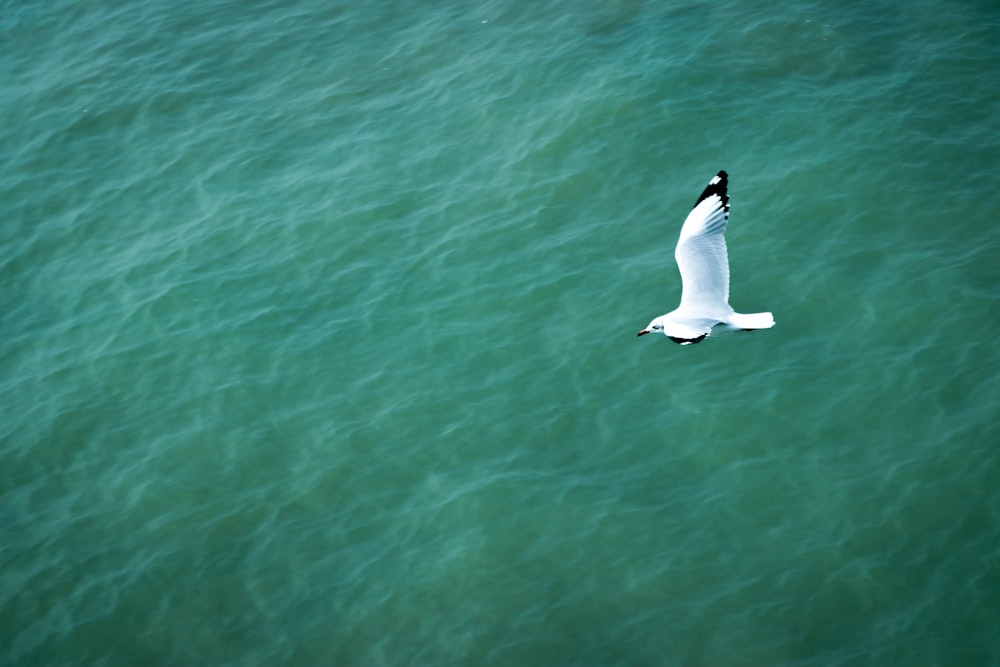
(318,334)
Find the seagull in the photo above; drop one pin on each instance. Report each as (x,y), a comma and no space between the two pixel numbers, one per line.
(704,264)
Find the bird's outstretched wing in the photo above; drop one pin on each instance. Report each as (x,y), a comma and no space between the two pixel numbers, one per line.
(701,251)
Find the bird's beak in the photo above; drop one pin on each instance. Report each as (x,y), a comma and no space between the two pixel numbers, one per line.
(643,332)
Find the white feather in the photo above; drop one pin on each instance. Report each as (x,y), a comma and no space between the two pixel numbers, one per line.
(702,259)
(704,265)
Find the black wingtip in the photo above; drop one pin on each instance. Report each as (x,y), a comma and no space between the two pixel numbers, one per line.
(688,341)
(719,185)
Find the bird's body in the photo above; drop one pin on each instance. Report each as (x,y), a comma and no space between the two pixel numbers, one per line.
(704,265)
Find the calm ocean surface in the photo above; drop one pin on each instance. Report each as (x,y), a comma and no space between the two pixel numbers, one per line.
(318,334)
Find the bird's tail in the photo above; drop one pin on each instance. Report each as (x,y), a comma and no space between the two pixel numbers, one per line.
(751,320)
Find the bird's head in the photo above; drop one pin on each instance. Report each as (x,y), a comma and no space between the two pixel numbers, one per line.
(656,326)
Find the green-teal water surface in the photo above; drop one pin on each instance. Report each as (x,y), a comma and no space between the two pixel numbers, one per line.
(318,334)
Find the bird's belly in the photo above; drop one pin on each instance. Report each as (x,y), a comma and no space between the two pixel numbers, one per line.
(723,328)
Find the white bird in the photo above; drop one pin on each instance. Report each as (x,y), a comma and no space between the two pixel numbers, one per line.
(704,264)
